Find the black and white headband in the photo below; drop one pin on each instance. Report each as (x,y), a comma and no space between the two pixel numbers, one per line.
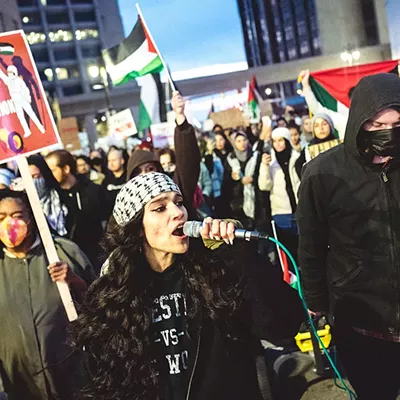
(138,192)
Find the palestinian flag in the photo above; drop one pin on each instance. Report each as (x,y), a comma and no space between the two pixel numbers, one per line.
(149,108)
(254,109)
(6,49)
(333,87)
(136,56)
(288,276)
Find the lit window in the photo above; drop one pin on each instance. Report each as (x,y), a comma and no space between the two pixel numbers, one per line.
(62,74)
(49,73)
(36,37)
(83,34)
(60,36)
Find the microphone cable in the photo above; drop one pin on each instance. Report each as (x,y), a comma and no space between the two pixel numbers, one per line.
(352,395)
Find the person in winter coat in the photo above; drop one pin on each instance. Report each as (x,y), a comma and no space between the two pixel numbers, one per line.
(50,195)
(177,321)
(216,170)
(35,361)
(323,139)
(279,177)
(241,174)
(349,203)
(88,205)
(222,146)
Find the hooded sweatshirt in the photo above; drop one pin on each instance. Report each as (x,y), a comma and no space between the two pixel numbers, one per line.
(348,221)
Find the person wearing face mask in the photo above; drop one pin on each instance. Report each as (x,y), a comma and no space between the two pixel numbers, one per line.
(49,193)
(279,177)
(167,160)
(348,218)
(35,360)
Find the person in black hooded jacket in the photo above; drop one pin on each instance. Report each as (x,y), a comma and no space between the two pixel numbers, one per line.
(87,203)
(348,218)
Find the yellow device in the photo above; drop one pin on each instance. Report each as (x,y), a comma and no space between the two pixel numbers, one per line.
(304,343)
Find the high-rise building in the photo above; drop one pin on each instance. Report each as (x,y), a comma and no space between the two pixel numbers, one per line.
(278,31)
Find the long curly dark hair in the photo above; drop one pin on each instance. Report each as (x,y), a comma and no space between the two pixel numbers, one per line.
(115,320)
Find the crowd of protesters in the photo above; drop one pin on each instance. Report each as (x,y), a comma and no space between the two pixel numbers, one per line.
(246,176)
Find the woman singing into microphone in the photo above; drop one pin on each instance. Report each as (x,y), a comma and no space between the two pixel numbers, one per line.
(171,321)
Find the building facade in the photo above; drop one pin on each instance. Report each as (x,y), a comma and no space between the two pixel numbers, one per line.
(279,31)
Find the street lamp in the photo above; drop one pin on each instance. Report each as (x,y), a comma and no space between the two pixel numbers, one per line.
(350,56)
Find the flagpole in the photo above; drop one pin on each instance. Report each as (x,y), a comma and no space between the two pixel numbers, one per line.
(171,82)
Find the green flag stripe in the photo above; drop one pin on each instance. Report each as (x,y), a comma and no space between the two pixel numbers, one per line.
(144,118)
(155,66)
(322,95)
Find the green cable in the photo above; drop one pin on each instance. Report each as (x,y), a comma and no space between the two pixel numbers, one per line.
(351,394)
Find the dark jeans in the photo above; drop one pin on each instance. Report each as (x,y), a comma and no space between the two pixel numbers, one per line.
(372,365)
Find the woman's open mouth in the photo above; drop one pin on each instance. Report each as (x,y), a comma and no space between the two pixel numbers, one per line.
(179,232)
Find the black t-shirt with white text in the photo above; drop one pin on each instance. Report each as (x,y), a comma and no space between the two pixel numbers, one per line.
(170,329)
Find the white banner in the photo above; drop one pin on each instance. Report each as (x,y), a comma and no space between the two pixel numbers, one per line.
(163,135)
(122,124)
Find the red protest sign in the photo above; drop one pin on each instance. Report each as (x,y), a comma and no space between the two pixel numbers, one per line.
(26,123)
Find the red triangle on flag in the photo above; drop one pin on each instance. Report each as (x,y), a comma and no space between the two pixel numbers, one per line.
(152,48)
(339,81)
(252,88)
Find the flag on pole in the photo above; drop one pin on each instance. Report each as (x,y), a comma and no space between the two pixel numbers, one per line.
(136,56)
(288,276)
(333,87)
(254,109)
(149,109)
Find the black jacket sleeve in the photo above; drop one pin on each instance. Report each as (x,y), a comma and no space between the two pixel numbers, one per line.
(313,241)
(276,310)
(187,162)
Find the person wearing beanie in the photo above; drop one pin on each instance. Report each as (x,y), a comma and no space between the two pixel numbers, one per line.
(278,176)
(187,155)
(339,119)
(323,139)
(172,320)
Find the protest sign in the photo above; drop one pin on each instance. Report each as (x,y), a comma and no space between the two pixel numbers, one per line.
(163,135)
(69,133)
(26,122)
(27,127)
(230,118)
(122,124)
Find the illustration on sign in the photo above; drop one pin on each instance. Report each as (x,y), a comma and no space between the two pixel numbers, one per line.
(26,122)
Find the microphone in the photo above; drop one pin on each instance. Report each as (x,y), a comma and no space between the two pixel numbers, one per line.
(193,228)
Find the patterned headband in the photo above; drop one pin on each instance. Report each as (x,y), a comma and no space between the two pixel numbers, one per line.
(138,192)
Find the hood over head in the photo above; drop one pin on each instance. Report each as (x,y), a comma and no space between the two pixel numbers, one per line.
(139,157)
(374,93)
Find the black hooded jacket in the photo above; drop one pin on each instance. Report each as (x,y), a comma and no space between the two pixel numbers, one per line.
(349,221)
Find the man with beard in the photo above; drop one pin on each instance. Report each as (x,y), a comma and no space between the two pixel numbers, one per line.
(348,213)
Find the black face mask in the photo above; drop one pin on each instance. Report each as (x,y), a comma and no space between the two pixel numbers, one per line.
(385,142)
(97,161)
